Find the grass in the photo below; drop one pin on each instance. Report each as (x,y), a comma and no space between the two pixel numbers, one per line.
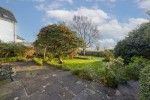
(84,67)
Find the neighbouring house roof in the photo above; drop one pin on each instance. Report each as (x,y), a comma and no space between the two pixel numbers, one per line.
(7,15)
(20,38)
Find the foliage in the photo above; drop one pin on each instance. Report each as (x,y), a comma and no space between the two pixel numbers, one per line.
(29,52)
(39,61)
(93,68)
(57,39)
(12,59)
(93,53)
(11,49)
(73,54)
(112,72)
(108,55)
(136,43)
(132,71)
(145,83)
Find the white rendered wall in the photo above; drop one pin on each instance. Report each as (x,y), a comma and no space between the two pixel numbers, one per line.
(18,40)
(7,30)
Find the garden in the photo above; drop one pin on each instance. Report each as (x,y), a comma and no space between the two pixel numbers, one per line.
(59,46)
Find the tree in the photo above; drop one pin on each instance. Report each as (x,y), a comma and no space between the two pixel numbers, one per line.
(148,12)
(58,39)
(136,43)
(85,30)
(98,48)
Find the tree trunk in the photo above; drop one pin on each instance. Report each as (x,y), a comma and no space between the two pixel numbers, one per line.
(45,52)
(60,58)
(84,51)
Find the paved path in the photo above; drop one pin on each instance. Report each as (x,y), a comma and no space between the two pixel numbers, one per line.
(34,82)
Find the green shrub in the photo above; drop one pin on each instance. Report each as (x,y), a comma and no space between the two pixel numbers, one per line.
(20,58)
(83,73)
(12,59)
(93,53)
(145,83)
(11,49)
(132,70)
(112,73)
(108,56)
(108,77)
(84,57)
(29,52)
(39,61)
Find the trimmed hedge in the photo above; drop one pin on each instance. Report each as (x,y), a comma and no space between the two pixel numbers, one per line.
(145,83)
(93,53)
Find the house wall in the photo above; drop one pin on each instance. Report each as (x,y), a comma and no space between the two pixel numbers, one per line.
(18,40)
(7,30)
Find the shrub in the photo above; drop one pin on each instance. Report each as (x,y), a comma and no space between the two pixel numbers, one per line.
(145,83)
(111,74)
(39,61)
(83,73)
(93,53)
(11,49)
(136,43)
(20,58)
(83,57)
(29,53)
(12,59)
(108,56)
(73,54)
(108,77)
(132,71)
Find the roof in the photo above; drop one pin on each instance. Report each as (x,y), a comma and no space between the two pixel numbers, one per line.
(7,15)
(20,38)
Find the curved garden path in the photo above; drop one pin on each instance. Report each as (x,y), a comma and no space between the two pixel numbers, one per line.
(32,82)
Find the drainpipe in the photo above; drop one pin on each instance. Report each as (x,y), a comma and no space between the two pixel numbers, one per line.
(14,31)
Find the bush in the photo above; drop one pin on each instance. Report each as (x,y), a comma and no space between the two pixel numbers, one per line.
(136,43)
(108,77)
(112,73)
(12,59)
(39,61)
(84,73)
(108,56)
(93,53)
(132,71)
(11,49)
(29,53)
(145,83)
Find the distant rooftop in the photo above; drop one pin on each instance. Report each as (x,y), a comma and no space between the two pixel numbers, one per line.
(7,14)
(20,38)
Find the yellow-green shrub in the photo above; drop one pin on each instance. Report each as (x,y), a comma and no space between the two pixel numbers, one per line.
(39,61)
(12,59)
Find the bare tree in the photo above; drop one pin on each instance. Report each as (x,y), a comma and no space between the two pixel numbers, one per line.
(85,30)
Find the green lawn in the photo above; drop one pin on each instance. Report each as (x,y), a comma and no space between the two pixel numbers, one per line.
(85,67)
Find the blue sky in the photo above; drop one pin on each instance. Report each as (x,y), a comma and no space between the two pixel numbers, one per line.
(114,18)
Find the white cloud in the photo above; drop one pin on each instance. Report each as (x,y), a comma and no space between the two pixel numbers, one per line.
(101,0)
(55,4)
(111,29)
(144,4)
(98,16)
(69,1)
(39,0)
(117,30)
(107,43)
